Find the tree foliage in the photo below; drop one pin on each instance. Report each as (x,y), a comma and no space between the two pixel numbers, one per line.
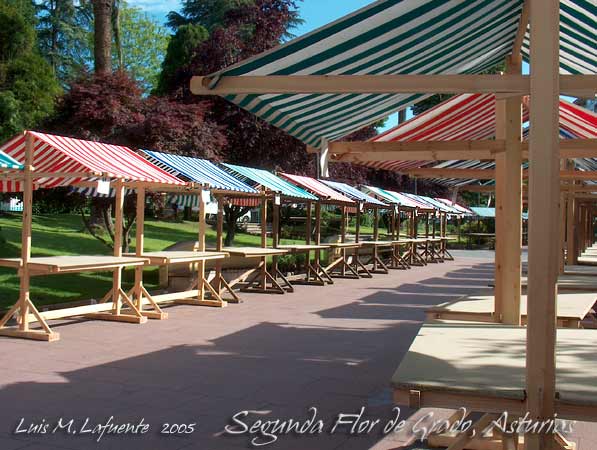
(28,87)
(143,44)
(100,106)
(63,34)
(181,49)
(112,108)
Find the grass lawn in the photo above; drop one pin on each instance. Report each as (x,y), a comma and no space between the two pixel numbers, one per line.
(55,235)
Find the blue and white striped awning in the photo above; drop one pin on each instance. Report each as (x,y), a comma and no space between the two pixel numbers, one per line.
(199,171)
(8,162)
(268,180)
(355,194)
(398,37)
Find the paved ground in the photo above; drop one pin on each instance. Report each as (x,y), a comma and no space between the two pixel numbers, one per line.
(333,348)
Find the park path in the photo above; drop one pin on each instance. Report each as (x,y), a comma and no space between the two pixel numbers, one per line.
(334,348)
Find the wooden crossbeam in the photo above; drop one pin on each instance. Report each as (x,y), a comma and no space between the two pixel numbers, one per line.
(446,150)
(574,85)
(488,174)
(490,146)
(521,31)
(477,174)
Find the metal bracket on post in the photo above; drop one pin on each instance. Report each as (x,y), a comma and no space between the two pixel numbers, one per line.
(324,159)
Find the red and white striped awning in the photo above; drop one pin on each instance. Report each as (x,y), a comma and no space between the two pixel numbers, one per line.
(578,122)
(85,160)
(472,117)
(462,117)
(317,188)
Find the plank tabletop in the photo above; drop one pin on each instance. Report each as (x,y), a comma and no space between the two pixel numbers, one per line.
(253,252)
(377,243)
(82,263)
(344,244)
(570,305)
(484,359)
(303,247)
(179,257)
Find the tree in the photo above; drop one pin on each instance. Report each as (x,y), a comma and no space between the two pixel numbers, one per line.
(143,44)
(62,29)
(101,106)
(210,14)
(28,87)
(181,49)
(102,48)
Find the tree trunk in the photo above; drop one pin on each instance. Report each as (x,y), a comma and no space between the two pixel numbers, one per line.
(102,52)
(116,27)
(230,232)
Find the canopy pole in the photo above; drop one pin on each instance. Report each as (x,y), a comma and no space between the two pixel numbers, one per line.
(118,224)
(201,248)
(509,205)
(544,190)
(21,309)
(308,231)
(25,294)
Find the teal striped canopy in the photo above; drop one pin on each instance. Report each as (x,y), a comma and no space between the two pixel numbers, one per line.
(8,162)
(393,37)
(260,177)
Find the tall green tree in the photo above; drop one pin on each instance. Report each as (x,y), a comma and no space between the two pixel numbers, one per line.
(181,49)
(143,44)
(63,33)
(28,87)
(210,14)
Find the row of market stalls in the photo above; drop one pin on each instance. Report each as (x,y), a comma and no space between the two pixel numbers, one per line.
(35,160)
(392,54)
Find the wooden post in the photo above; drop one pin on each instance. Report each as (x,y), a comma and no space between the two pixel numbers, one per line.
(24,291)
(118,224)
(357,238)
(544,188)
(139,244)
(219,242)
(201,248)
(562,241)
(264,239)
(308,230)
(500,181)
(317,233)
(509,265)
(398,223)
(375,224)
(343,225)
(570,228)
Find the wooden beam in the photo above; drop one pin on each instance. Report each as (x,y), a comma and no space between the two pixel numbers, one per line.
(398,147)
(445,150)
(520,33)
(476,188)
(579,187)
(544,194)
(574,85)
(578,175)
(487,174)
(477,174)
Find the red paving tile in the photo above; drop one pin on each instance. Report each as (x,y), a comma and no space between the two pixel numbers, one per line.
(332,347)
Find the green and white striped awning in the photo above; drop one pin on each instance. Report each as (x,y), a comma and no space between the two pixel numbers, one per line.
(578,37)
(398,37)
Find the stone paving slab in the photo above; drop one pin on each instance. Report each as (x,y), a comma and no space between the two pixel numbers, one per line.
(332,347)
